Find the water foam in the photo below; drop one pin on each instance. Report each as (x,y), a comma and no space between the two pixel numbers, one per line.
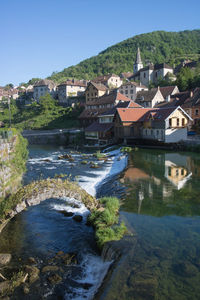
(94,271)
(117,164)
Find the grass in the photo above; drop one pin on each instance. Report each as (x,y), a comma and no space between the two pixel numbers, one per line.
(105,221)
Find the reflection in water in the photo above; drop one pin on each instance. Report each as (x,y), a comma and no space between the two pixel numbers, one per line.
(162,206)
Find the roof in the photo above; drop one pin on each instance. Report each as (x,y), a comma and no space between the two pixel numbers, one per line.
(193,99)
(131,114)
(74,83)
(111,98)
(104,78)
(138,57)
(162,66)
(126,74)
(103,127)
(98,86)
(143,114)
(167,90)
(130,104)
(134,83)
(44,82)
(146,95)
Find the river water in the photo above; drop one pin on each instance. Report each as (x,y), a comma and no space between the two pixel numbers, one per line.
(160,204)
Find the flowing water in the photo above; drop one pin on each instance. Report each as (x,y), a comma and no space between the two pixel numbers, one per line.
(43,231)
(160,196)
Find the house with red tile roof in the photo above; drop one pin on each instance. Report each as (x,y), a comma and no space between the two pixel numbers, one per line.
(101,131)
(168,125)
(97,106)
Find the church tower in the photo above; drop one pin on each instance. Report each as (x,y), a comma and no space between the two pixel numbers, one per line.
(138,62)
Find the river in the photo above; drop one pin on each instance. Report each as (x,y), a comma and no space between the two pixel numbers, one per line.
(160,205)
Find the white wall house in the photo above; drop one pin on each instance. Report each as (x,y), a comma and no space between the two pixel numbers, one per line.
(130,89)
(43,87)
(70,88)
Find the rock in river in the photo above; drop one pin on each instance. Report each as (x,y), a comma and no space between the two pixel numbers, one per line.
(5,258)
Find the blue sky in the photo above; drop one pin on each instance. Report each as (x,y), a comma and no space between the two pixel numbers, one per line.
(42,36)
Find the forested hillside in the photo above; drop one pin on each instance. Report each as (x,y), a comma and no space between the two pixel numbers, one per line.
(156,47)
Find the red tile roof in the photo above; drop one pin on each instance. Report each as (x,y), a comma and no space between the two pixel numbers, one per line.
(143,114)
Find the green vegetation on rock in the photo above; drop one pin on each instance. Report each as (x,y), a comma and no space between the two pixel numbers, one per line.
(105,219)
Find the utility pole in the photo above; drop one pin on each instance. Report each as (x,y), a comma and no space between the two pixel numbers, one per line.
(9,112)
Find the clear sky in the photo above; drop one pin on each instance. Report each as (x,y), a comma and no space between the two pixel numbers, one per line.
(41,36)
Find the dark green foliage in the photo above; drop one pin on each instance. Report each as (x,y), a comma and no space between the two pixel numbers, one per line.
(156,47)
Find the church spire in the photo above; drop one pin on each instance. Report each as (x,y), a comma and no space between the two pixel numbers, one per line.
(138,57)
(138,62)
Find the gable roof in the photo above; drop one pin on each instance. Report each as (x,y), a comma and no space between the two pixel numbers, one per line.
(126,104)
(44,82)
(147,95)
(98,86)
(110,98)
(104,78)
(162,66)
(136,84)
(74,83)
(144,114)
(193,99)
(167,90)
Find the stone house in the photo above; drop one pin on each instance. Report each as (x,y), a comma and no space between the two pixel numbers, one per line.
(69,89)
(131,88)
(42,88)
(168,91)
(149,98)
(168,125)
(109,80)
(93,91)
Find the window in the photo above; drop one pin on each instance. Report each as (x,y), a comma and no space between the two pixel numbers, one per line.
(170,122)
(157,132)
(156,74)
(144,75)
(131,97)
(196,112)
(131,91)
(183,122)
(182,172)
(177,172)
(126,92)
(177,121)
(169,171)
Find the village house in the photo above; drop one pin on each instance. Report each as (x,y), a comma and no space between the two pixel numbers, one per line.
(168,125)
(110,80)
(149,98)
(149,74)
(69,89)
(42,88)
(192,105)
(95,107)
(130,89)
(101,132)
(11,93)
(93,91)
(168,91)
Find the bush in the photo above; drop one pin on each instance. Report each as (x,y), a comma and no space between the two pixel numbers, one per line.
(103,221)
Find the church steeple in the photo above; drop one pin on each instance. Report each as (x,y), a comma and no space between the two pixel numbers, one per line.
(138,62)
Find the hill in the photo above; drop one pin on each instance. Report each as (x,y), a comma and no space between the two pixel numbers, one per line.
(155,47)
